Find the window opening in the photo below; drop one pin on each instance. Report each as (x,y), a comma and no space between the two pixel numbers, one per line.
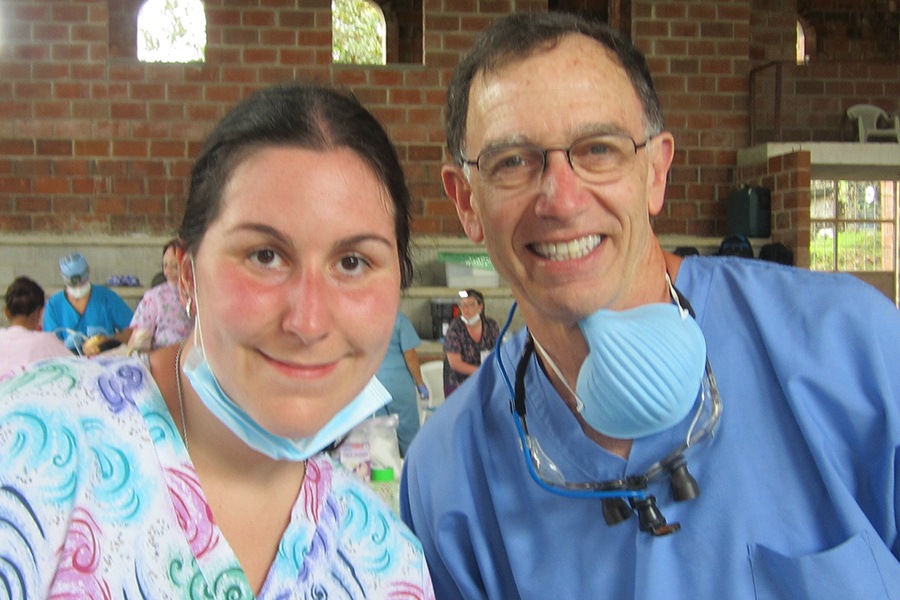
(853,225)
(171,31)
(358,33)
(802,56)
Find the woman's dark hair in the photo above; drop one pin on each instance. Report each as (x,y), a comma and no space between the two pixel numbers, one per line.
(174,243)
(516,37)
(471,293)
(23,297)
(305,115)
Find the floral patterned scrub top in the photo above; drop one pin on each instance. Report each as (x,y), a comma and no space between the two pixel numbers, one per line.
(161,314)
(99,499)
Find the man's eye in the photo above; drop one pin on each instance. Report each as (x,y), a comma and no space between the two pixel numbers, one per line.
(599,148)
(511,161)
(506,162)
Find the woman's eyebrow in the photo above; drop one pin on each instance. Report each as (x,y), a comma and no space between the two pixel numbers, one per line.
(283,238)
(264,229)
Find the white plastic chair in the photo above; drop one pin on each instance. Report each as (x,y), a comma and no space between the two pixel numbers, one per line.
(868,118)
(433,376)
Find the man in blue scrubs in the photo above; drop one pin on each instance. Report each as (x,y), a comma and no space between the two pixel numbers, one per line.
(777,386)
(85,311)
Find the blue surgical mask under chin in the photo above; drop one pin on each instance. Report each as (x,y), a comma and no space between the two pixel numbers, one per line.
(204,382)
(643,370)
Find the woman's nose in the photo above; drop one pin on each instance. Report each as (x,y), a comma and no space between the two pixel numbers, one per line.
(307,307)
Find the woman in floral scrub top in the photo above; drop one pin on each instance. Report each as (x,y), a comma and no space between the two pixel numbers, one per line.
(160,318)
(196,471)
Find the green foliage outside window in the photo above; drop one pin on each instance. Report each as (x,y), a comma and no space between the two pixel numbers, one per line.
(172,31)
(357,32)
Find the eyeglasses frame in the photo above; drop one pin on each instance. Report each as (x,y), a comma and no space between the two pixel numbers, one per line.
(567,151)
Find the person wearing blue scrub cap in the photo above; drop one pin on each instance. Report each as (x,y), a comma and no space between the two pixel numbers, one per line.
(677,428)
(87,317)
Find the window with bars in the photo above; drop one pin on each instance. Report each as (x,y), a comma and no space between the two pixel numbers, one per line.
(853,225)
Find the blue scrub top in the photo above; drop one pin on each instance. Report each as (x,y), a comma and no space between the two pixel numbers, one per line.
(106,314)
(395,376)
(799,485)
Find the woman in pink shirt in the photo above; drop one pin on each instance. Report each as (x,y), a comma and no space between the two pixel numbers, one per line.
(23,342)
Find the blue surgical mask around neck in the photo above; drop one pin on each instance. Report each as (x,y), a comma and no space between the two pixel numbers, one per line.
(643,370)
(203,380)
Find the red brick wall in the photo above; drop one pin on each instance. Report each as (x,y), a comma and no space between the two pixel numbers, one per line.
(788,179)
(698,53)
(93,141)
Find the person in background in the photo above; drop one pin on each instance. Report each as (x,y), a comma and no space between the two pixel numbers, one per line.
(694,428)
(158,279)
(736,244)
(160,318)
(470,338)
(86,317)
(778,253)
(401,375)
(23,342)
(198,468)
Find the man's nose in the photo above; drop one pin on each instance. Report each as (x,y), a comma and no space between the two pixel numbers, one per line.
(560,187)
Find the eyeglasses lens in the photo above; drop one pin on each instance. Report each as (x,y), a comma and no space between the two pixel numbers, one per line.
(597,159)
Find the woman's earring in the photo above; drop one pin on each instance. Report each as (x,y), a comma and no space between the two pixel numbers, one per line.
(188,307)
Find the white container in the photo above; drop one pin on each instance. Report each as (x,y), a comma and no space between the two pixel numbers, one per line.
(469,270)
(462,277)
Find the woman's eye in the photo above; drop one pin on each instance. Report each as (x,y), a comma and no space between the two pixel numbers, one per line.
(266,257)
(352,264)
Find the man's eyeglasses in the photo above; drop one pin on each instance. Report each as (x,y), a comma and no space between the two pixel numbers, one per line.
(595,159)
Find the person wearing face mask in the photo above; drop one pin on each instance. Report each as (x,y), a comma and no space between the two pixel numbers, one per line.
(468,341)
(86,316)
(691,428)
(201,468)
(23,342)
(160,318)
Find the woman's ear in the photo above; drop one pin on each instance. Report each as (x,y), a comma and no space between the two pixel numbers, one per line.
(185,275)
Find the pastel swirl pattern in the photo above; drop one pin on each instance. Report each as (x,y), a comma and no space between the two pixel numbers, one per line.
(99,499)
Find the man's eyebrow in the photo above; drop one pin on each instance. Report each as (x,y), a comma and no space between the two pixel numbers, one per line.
(586,130)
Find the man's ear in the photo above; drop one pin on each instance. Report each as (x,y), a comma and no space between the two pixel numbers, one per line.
(662,153)
(460,192)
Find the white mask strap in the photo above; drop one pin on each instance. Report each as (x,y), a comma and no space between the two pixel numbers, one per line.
(579,405)
(198,329)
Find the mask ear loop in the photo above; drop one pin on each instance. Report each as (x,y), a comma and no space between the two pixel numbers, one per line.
(579,405)
(680,301)
(198,329)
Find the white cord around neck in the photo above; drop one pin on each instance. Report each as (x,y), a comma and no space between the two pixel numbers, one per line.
(181,395)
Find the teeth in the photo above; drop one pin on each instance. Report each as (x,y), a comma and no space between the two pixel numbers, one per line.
(568,250)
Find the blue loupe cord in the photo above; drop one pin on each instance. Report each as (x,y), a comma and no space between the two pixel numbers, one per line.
(520,429)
